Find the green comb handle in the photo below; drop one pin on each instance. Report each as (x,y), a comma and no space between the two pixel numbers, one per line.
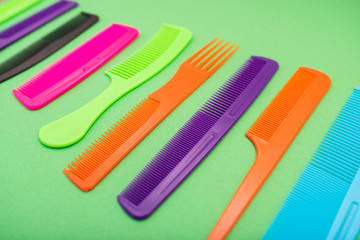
(11,8)
(125,77)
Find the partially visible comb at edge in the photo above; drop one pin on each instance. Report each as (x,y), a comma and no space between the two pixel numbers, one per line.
(271,134)
(311,207)
(46,46)
(11,8)
(75,66)
(190,145)
(30,24)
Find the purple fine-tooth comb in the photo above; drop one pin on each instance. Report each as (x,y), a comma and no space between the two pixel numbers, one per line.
(26,26)
(190,145)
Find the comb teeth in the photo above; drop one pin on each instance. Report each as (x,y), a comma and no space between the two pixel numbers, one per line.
(192,132)
(339,153)
(16,60)
(315,199)
(226,95)
(279,108)
(147,55)
(120,132)
(169,156)
(67,27)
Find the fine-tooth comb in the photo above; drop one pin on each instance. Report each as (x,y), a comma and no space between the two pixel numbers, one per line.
(271,134)
(28,25)
(114,144)
(168,42)
(200,134)
(11,8)
(75,66)
(328,188)
(46,46)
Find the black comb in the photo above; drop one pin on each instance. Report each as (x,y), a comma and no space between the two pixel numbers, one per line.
(46,46)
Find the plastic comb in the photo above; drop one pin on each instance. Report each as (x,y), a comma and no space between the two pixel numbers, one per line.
(168,42)
(200,134)
(46,46)
(272,134)
(11,8)
(28,25)
(75,66)
(324,202)
(125,134)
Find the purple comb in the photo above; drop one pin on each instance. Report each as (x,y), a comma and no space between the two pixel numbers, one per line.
(196,138)
(26,26)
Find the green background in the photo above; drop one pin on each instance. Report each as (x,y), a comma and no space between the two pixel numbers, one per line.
(37,201)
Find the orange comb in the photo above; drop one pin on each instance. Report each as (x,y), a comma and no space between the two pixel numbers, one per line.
(272,134)
(111,147)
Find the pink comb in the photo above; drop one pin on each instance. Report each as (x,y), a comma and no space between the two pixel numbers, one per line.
(75,66)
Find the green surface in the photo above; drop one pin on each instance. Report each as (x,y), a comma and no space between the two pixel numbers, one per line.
(37,201)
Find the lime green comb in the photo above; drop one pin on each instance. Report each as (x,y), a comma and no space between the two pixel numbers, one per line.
(11,8)
(168,42)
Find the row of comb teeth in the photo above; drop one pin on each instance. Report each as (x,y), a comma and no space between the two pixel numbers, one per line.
(274,114)
(339,152)
(168,157)
(119,133)
(32,88)
(147,55)
(238,82)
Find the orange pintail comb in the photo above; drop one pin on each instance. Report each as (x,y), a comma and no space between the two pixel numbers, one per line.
(95,162)
(272,134)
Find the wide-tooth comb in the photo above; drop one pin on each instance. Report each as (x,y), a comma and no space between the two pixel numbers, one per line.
(331,175)
(75,66)
(168,42)
(46,46)
(11,8)
(28,25)
(190,145)
(271,134)
(114,144)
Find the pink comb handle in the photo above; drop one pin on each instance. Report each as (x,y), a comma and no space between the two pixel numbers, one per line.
(75,66)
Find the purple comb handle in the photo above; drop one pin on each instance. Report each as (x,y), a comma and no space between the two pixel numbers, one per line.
(190,145)
(26,26)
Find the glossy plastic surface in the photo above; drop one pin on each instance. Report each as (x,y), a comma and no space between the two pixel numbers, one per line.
(75,66)
(30,24)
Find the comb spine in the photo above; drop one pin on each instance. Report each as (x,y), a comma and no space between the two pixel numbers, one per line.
(347,222)
(204,146)
(35,21)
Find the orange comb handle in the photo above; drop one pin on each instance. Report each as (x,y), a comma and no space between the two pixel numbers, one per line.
(272,134)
